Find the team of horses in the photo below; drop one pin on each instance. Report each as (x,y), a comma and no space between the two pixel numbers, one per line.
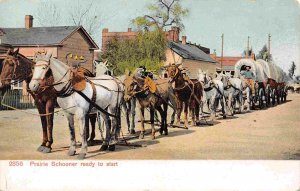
(81,96)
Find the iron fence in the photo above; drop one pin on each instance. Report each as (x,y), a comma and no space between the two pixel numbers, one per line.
(16,98)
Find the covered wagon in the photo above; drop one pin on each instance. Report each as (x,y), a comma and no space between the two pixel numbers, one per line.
(259,80)
(275,83)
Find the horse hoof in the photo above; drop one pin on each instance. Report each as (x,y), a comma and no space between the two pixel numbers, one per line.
(103,147)
(166,132)
(224,117)
(47,150)
(71,152)
(141,136)
(112,147)
(132,131)
(81,156)
(90,143)
(152,137)
(161,131)
(41,148)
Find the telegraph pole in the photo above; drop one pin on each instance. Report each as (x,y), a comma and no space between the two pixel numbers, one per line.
(269,46)
(222,52)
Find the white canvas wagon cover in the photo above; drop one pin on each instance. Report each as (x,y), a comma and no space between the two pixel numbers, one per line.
(256,68)
(272,71)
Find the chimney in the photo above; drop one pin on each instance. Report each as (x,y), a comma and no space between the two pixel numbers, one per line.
(183,39)
(129,29)
(176,32)
(28,21)
(105,30)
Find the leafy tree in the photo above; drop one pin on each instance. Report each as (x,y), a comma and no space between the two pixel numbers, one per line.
(292,70)
(147,49)
(162,14)
(250,51)
(263,54)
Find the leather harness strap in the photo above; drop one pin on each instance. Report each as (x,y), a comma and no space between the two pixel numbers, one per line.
(93,96)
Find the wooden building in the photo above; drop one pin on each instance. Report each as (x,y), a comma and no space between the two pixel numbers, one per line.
(192,56)
(60,40)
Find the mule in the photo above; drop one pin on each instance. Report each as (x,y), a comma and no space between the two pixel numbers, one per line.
(135,86)
(102,92)
(188,94)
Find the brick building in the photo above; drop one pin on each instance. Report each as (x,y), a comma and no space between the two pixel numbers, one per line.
(192,56)
(60,40)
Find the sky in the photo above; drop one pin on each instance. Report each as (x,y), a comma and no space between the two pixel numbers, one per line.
(207,20)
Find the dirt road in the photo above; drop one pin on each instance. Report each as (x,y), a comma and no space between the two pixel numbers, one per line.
(272,134)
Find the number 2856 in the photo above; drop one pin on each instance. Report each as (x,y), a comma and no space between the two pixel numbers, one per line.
(15,163)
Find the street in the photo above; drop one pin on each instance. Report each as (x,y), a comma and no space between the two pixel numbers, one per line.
(270,134)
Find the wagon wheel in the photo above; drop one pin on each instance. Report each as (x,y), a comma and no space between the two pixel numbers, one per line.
(273,97)
(252,100)
(278,95)
(267,96)
(260,98)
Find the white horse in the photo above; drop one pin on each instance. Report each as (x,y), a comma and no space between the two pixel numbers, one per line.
(128,106)
(233,91)
(109,95)
(213,91)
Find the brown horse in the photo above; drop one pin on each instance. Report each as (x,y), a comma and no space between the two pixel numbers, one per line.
(152,97)
(187,92)
(18,68)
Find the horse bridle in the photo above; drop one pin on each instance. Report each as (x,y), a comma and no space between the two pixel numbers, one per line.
(47,68)
(174,78)
(13,76)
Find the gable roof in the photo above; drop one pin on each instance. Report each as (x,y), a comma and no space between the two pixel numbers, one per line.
(190,51)
(42,36)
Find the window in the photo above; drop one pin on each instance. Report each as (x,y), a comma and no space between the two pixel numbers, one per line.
(18,86)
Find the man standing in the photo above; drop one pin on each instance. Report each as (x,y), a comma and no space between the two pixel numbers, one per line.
(249,77)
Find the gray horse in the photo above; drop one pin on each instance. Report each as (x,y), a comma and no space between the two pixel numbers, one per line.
(233,91)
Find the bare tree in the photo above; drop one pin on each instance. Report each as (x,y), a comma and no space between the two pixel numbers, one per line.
(85,15)
(48,14)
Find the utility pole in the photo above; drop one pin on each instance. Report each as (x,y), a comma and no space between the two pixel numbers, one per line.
(247,54)
(222,52)
(269,46)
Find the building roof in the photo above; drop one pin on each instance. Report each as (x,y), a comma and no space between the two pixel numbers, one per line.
(41,36)
(190,51)
(228,60)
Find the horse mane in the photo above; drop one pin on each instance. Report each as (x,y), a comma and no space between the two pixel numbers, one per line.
(86,72)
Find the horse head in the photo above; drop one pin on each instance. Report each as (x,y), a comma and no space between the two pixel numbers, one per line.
(173,71)
(10,67)
(40,69)
(203,77)
(130,85)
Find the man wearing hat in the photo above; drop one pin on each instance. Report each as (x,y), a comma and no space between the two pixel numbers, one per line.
(249,77)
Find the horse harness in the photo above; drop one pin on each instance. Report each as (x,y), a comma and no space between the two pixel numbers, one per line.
(229,85)
(187,83)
